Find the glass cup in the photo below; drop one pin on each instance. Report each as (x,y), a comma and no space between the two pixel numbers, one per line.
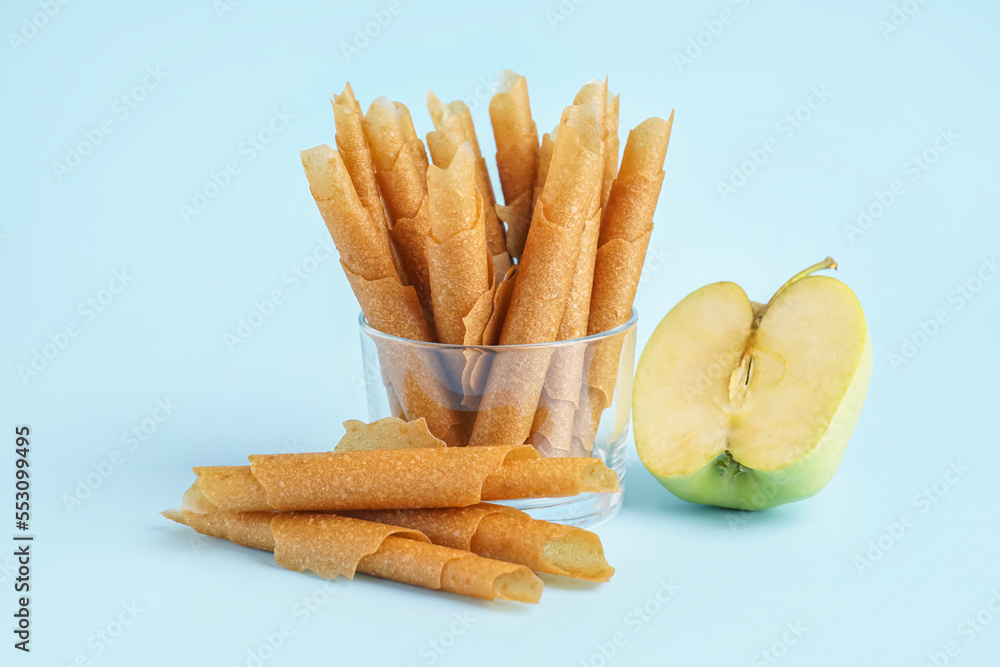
(567,398)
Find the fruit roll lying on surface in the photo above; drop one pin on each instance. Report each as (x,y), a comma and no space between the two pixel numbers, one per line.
(397,479)
(507,534)
(333,546)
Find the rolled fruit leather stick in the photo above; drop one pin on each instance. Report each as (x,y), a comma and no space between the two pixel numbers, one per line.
(388,305)
(453,126)
(364,250)
(517,156)
(625,232)
(400,170)
(461,269)
(353,148)
(459,264)
(394,479)
(553,422)
(507,534)
(333,546)
(543,281)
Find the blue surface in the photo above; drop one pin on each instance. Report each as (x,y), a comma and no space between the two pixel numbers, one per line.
(737,583)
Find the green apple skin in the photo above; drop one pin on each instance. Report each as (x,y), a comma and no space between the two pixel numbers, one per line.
(725,483)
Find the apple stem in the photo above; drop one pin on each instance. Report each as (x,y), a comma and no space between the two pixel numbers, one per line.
(827,263)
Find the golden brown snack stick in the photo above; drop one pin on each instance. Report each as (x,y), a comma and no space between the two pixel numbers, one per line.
(400,169)
(517,156)
(550,478)
(441,568)
(333,546)
(248,529)
(366,257)
(390,306)
(625,233)
(459,264)
(545,274)
(577,311)
(611,147)
(453,126)
(506,534)
(393,479)
(460,267)
(552,429)
(609,140)
(409,238)
(629,218)
(454,116)
(361,239)
(357,157)
(544,279)
(376,479)
(399,157)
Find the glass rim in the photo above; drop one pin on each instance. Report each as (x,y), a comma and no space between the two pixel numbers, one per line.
(630,323)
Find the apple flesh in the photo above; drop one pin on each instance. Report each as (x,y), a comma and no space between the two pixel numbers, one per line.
(746,406)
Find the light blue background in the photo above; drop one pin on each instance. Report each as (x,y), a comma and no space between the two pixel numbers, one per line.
(742,578)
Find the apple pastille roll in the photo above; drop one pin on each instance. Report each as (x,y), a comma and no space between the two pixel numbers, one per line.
(332,546)
(517,156)
(388,304)
(363,245)
(543,280)
(453,126)
(552,430)
(397,479)
(506,534)
(621,250)
(459,264)
(353,149)
(462,274)
(401,172)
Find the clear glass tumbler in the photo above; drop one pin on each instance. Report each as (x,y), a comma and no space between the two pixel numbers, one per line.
(568,398)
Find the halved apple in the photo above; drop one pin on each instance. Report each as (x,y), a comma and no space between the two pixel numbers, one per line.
(748,406)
